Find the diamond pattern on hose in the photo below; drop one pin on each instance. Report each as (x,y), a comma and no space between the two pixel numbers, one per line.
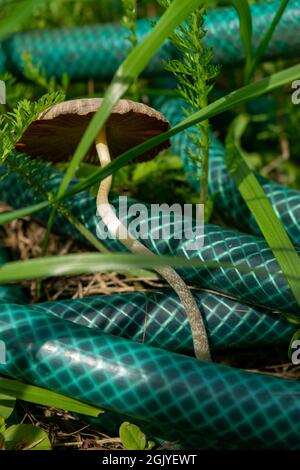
(158,319)
(149,383)
(286,201)
(219,245)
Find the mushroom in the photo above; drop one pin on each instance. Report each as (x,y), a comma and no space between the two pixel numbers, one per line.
(55,135)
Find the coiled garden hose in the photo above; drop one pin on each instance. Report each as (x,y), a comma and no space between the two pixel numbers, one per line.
(208,401)
(151,384)
(97,51)
(49,353)
(268,287)
(158,319)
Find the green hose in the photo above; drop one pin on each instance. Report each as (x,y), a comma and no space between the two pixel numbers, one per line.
(214,405)
(97,51)
(286,201)
(269,288)
(156,386)
(158,319)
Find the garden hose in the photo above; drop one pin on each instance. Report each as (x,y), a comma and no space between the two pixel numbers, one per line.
(219,244)
(228,201)
(97,51)
(151,384)
(213,404)
(158,319)
(268,287)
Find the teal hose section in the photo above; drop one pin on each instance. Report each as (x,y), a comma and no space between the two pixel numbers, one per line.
(286,201)
(97,51)
(158,319)
(269,289)
(149,383)
(80,347)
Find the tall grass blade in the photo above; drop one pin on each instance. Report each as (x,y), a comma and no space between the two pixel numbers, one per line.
(41,396)
(264,214)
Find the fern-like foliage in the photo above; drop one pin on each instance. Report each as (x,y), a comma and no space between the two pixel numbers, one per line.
(37,173)
(194,72)
(13,124)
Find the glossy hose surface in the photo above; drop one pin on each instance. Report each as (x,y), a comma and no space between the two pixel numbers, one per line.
(149,383)
(211,403)
(158,319)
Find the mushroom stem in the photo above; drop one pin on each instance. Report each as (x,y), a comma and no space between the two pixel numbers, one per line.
(116,228)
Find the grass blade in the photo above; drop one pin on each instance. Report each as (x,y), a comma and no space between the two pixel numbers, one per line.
(9,216)
(264,214)
(221,105)
(128,71)
(77,264)
(41,396)
(246,29)
(17,13)
(259,53)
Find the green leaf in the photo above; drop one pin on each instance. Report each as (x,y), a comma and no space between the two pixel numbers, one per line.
(41,396)
(16,14)
(143,171)
(2,428)
(264,214)
(132,437)
(7,405)
(244,12)
(26,437)
(76,264)
(259,53)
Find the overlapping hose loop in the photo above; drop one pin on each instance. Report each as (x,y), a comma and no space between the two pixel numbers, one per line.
(158,319)
(286,201)
(268,287)
(151,384)
(97,51)
(59,345)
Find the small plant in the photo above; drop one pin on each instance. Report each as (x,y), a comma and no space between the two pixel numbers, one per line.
(194,72)
(14,123)
(19,436)
(133,438)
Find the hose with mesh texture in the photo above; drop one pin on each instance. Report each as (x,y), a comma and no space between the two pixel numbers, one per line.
(208,401)
(268,287)
(97,51)
(228,201)
(224,404)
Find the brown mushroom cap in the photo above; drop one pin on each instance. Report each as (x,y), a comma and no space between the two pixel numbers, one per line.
(56,133)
